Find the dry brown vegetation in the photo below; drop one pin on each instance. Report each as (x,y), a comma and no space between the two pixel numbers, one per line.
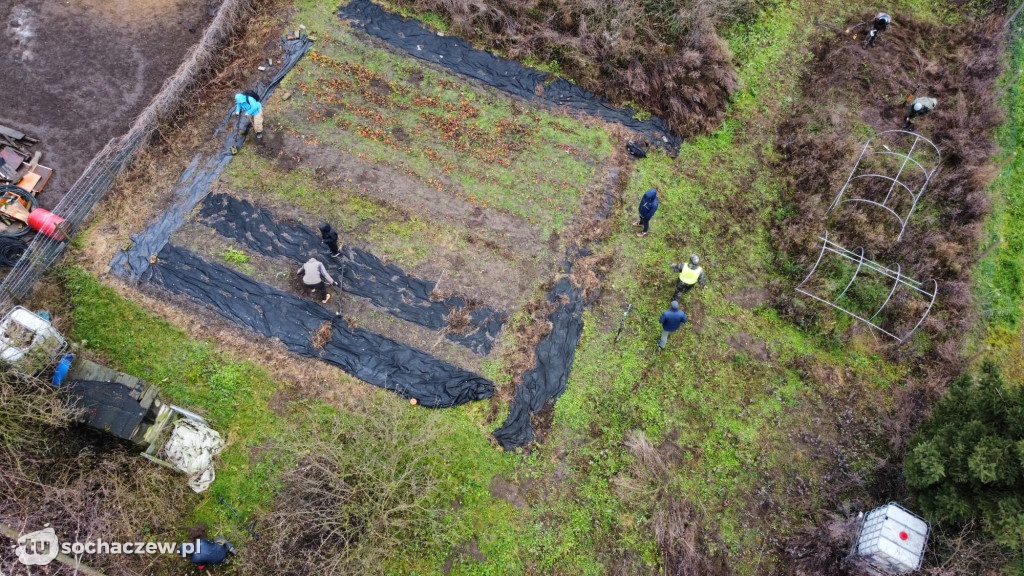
(847,87)
(664,56)
(84,484)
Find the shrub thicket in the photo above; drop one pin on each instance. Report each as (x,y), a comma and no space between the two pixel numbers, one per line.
(967,460)
(361,491)
(663,55)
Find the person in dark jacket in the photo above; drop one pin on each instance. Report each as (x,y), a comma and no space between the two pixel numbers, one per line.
(671,320)
(211,553)
(648,206)
(330,237)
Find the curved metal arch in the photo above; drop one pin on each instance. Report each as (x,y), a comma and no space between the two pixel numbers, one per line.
(860,264)
(935,293)
(926,173)
(938,154)
(895,285)
(824,246)
(882,206)
(890,179)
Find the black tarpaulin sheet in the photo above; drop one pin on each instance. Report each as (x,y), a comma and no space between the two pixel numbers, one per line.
(277,314)
(548,378)
(197,178)
(107,406)
(459,56)
(387,286)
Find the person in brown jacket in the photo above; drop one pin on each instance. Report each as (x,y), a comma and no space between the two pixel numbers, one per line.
(314,275)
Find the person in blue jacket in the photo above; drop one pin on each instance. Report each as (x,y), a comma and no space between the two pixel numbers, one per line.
(671,320)
(648,206)
(249,102)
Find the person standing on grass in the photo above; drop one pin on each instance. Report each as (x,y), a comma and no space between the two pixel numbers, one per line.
(314,275)
(648,206)
(670,320)
(249,103)
(690,274)
(330,237)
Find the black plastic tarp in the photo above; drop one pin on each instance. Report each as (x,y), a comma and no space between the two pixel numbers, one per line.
(106,406)
(277,314)
(195,182)
(459,56)
(548,378)
(555,352)
(385,285)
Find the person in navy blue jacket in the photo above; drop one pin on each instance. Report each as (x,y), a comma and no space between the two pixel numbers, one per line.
(648,206)
(671,320)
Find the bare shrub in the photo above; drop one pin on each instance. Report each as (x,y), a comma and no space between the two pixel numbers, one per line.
(83,483)
(361,489)
(30,409)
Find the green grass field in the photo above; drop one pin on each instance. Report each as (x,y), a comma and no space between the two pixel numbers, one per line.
(751,413)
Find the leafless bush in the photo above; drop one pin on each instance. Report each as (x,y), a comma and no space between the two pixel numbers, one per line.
(30,410)
(83,483)
(361,490)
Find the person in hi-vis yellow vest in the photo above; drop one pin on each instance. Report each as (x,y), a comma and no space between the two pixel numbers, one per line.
(690,274)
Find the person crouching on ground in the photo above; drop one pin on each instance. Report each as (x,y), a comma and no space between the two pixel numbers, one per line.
(671,320)
(648,206)
(249,102)
(314,275)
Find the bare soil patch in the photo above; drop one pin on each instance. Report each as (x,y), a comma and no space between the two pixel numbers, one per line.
(507,491)
(750,344)
(91,67)
(398,189)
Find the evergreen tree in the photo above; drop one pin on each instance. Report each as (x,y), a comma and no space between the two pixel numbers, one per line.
(968,458)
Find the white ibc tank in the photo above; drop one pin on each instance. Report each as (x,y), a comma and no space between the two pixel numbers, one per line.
(892,539)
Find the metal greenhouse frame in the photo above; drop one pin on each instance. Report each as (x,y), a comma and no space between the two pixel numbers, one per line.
(898,280)
(900,179)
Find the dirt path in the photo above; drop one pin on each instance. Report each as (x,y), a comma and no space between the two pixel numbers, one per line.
(400,189)
(85,69)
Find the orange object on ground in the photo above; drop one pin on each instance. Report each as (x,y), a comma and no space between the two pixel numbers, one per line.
(46,222)
(29,181)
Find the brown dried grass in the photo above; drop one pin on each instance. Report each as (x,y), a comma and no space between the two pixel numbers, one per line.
(683,541)
(322,335)
(665,56)
(818,145)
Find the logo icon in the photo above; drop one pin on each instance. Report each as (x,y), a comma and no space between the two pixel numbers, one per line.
(37,548)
